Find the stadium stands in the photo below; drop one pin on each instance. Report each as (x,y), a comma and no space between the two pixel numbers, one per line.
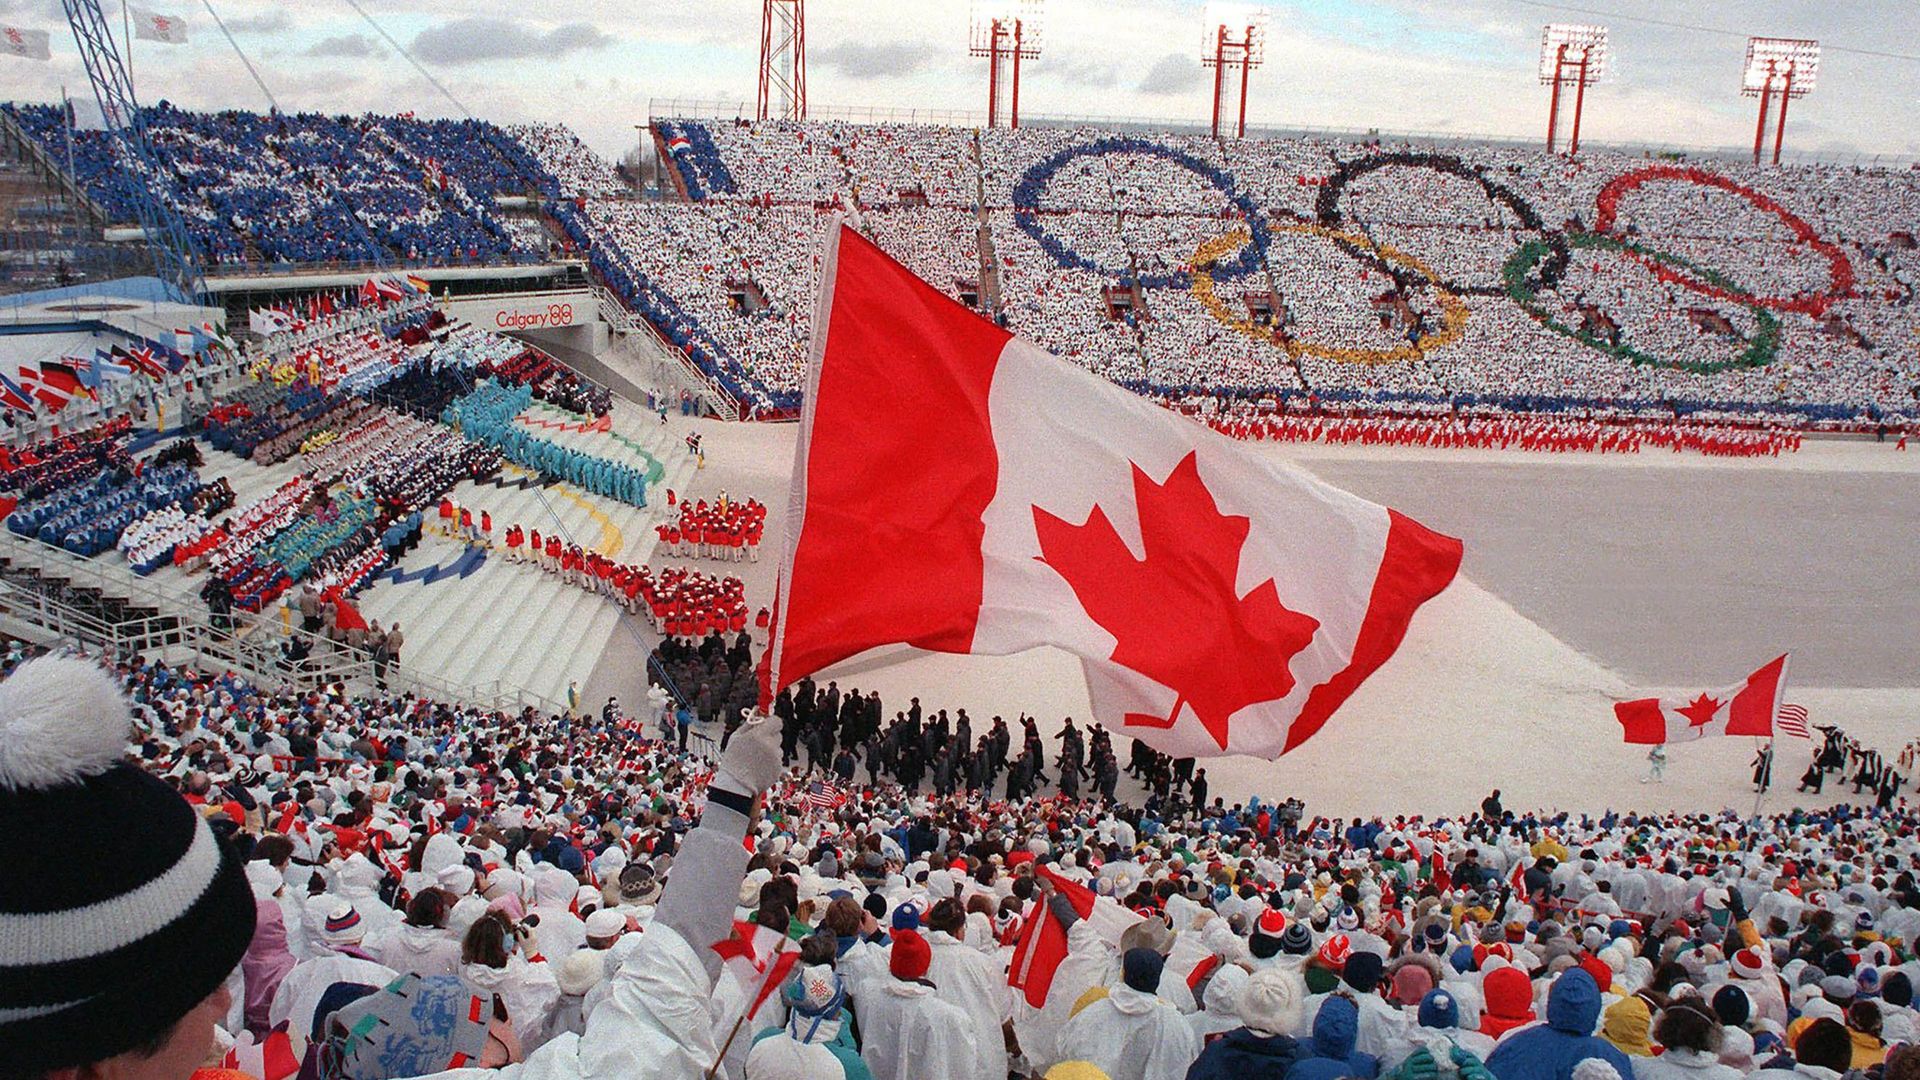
(1299,275)
(1306,272)
(303,188)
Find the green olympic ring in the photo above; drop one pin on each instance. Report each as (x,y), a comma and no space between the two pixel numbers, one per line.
(1762,349)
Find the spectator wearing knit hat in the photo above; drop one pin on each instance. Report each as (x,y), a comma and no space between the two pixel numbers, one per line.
(908,1031)
(114,966)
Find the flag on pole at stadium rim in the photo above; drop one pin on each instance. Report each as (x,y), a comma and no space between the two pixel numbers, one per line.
(24,43)
(959,490)
(149,25)
(1792,720)
(1745,708)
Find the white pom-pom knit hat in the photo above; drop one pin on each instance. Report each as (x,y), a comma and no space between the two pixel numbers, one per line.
(120,911)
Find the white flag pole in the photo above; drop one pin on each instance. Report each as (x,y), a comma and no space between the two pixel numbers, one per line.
(126,31)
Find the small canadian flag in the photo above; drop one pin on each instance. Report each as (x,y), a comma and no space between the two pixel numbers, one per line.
(959,490)
(1746,708)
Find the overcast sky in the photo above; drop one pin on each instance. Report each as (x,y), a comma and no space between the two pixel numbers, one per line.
(1465,66)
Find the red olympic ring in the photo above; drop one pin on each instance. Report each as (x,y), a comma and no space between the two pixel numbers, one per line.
(1839,270)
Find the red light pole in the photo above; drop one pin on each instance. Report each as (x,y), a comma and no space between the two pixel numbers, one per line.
(783,60)
(1004,33)
(1795,63)
(1236,36)
(1576,55)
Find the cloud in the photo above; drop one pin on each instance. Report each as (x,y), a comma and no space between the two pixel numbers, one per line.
(267,22)
(857,60)
(1173,73)
(1087,73)
(351,46)
(479,39)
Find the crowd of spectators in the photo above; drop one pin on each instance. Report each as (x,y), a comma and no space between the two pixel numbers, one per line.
(572,894)
(304,188)
(1558,435)
(576,170)
(1378,277)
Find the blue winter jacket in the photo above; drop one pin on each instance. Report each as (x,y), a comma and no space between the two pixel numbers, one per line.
(1550,1051)
(1242,1055)
(1331,1056)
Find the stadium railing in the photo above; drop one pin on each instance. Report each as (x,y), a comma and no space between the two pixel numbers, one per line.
(252,644)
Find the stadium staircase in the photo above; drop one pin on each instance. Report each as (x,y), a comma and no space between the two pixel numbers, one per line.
(21,146)
(495,622)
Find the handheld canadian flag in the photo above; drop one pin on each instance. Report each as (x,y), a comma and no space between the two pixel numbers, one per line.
(1745,708)
(759,959)
(959,490)
(1043,938)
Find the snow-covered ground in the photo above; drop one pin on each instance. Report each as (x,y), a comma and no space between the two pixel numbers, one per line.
(1811,552)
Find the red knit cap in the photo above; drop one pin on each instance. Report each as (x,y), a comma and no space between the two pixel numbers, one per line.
(910,956)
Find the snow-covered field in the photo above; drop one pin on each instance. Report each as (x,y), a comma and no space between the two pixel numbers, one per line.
(1587,580)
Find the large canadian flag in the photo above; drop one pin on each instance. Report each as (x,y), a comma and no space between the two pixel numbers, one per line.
(959,490)
(1746,708)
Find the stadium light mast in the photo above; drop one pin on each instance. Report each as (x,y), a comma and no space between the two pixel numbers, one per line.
(1571,54)
(1005,32)
(1236,36)
(783,60)
(1788,67)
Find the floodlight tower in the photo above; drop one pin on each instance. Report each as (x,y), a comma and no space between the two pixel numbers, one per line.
(1788,67)
(1236,36)
(1005,31)
(783,60)
(1571,55)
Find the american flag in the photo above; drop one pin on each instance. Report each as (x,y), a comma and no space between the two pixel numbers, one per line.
(1792,719)
(824,795)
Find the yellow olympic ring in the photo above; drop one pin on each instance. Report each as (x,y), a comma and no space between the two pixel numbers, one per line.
(1453,312)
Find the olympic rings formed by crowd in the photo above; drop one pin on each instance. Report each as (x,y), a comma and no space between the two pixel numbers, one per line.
(1839,269)
(1536,266)
(1762,347)
(1453,318)
(1328,211)
(1026,204)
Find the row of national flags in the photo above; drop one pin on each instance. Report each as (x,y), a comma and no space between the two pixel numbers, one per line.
(294,315)
(48,386)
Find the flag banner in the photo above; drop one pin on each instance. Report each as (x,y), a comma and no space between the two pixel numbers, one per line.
(1792,720)
(1043,938)
(150,25)
(85,114)
(960,490)
(24,43)
(1745,708)
(14,396)
(266,321)
(110,366)
(50,385)
(71,374)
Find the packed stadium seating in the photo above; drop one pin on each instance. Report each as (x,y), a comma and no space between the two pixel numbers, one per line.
(304,188)
(1302,273)
(1308,272)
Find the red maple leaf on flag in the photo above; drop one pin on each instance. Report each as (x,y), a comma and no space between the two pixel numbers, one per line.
(1700,710)
(1176,614)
